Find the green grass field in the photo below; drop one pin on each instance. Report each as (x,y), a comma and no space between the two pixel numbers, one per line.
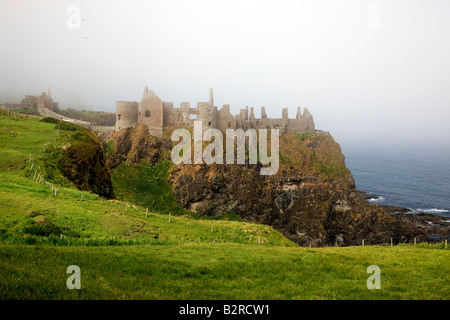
(221,271)
(125,253)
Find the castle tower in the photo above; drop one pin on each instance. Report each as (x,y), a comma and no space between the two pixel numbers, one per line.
(126,114)
(150,113)
(49,93)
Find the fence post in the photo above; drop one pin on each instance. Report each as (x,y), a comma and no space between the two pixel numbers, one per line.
(445,243)
(363,242)
(415,241)
(392,243)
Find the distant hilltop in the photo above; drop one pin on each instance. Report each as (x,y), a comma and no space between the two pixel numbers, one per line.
(157,114)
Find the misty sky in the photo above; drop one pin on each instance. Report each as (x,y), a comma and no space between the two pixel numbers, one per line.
(370,72)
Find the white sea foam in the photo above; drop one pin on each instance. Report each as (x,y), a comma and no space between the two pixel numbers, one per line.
(434,210)
(376,200)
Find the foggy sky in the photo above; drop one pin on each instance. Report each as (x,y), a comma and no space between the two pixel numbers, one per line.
(370,72)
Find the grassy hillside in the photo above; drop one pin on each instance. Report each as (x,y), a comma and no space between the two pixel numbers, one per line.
(126,253)
(31,213)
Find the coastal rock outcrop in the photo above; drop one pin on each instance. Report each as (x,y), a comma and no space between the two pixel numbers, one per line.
(312,199)
(132,145)
(80,160)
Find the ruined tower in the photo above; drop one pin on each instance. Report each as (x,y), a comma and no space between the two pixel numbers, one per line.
(150,113)
(126,114)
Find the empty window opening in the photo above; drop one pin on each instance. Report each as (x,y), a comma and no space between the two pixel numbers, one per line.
(147,113)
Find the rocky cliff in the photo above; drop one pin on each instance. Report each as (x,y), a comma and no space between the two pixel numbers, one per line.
(80,160)
(312,199)
(133,145)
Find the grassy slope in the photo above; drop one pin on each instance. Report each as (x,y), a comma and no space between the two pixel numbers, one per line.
(29,210)
(180,259)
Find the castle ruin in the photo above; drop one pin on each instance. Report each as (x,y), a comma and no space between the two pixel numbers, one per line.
(43,101)
(157,114)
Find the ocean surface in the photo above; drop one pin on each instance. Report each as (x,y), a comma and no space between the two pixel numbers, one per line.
(415,179)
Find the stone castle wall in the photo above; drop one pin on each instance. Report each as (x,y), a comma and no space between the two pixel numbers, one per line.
(157,114)
(44,111)
(150,113)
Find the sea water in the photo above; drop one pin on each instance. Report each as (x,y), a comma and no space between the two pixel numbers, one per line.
(411,178)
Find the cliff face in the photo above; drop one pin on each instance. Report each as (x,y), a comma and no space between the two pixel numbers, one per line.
(312,199)
(132,145)
(81,160)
